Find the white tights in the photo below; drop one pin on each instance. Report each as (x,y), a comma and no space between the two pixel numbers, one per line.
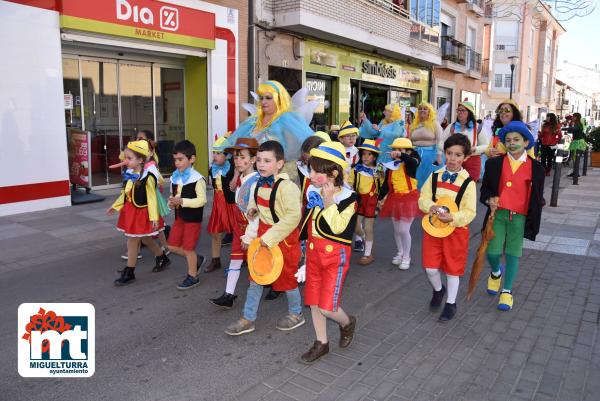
(402,236)
(233,275)
(436,282)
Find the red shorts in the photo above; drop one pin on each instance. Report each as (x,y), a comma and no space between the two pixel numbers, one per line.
(184,234)
(366,205)
(239,229)
(290,248)
(448,254)
(327,263)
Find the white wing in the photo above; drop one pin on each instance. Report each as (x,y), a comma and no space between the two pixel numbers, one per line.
(486,127)
(307,110)
(250,108)
(299,98)
(413,110)
(441,112)
(403,115)
(254,95)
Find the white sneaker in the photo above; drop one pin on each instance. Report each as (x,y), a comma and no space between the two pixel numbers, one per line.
(396,260)
(404,264)
(124,256)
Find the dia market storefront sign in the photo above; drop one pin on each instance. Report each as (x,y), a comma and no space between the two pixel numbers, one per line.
(141,19)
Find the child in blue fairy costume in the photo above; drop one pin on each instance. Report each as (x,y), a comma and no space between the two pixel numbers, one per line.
(425,134)
(275,120)
(388,129)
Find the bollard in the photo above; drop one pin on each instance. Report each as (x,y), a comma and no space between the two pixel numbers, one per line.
(576,167)
(558,160)
(586,155)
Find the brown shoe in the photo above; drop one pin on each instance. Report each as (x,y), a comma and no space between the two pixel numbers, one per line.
(317,350)
(366,260)
(215,264)
(347,333)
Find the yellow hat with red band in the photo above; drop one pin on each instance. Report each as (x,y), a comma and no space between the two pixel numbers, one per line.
(347,129)
(140,147)
(332,151)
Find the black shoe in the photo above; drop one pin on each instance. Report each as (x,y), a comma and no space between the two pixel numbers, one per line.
(448,312)
(436,299)
(272,294)
(215,264)
(227,239)
(127,277)
(162,262)
(224,301)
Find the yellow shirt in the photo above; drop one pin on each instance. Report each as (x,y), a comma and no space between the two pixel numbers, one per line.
(127,193)
(365,182)
(337,220)
(468,205)
(288,209)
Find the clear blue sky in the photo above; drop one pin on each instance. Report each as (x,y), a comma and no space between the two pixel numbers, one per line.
(579,44)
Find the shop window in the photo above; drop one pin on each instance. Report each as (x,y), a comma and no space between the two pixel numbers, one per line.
(444,95)
(170,113)
(321,90)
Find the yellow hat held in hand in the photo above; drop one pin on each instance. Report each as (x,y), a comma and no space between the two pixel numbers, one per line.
(402,143)
(433,225)
(264,264)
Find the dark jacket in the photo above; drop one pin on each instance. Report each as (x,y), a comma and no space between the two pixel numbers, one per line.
(490,188)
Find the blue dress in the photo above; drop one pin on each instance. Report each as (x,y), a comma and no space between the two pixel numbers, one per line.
(387,133)
(289,129)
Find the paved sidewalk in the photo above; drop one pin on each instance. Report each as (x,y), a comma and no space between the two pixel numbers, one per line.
(546,348)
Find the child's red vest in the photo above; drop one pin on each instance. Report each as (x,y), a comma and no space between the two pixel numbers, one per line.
(515,188)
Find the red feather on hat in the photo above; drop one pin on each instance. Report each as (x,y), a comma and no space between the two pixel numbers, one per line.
(378,141)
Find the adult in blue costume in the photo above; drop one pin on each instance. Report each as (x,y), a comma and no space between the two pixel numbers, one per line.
(425,134)
(275,120)
(388,129)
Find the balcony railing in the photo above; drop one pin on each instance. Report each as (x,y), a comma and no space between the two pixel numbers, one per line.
(473,60)
(397,7)
(453,50)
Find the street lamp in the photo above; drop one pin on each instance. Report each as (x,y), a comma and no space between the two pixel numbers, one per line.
(513,61)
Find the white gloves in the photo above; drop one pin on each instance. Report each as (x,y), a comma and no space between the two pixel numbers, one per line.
(301,274)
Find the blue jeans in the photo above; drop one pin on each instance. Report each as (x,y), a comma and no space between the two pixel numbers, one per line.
(254,295)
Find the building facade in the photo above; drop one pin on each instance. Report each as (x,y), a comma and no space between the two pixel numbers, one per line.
(520,56)
(352,55)
(121,66)
(569,100)
(459,76)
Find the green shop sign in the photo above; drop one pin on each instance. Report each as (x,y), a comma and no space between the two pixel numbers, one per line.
(346,64)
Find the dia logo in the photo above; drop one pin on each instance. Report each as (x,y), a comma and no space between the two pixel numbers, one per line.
(56,340)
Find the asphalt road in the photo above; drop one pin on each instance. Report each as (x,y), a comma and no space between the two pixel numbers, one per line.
(156,343)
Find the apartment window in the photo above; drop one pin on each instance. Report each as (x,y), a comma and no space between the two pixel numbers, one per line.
(529,79)
(545,81)
(498,80)
(507,80)
(426,11)
(531,44)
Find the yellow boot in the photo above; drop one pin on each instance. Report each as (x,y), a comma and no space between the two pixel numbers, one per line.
(493,285)
(506,301)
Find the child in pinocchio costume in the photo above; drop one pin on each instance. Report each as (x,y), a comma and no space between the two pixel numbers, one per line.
(367,178)
(188,197)
(139,218)
(328,225)
(222,212)
(449,197)
(303,170)
(275,201)
(400,196)
(244,156)
(513,186)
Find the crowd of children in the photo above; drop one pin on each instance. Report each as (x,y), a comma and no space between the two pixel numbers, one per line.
(287,231)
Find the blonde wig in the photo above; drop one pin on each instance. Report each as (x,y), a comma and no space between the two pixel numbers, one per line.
(282,100)
(429,123)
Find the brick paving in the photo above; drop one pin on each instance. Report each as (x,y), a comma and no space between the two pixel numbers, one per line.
(545,349)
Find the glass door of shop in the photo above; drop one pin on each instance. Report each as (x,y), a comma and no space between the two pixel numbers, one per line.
(114,100)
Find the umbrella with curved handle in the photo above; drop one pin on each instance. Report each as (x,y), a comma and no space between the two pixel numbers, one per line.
(486,235)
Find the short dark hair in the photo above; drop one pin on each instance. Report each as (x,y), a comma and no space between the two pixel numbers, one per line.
(460,140)
(272,146)
(310,143)
(327,167)
(186,148)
